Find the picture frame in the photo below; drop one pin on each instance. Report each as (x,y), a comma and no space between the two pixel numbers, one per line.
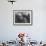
(22,17)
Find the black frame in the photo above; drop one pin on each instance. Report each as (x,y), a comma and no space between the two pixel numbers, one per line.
(23,23)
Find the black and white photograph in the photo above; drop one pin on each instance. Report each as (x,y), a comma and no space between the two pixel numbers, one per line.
(22,16)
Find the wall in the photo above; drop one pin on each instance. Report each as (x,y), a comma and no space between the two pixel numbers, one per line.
(37,31)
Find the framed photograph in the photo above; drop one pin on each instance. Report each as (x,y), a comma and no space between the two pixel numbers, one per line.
(22,17)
